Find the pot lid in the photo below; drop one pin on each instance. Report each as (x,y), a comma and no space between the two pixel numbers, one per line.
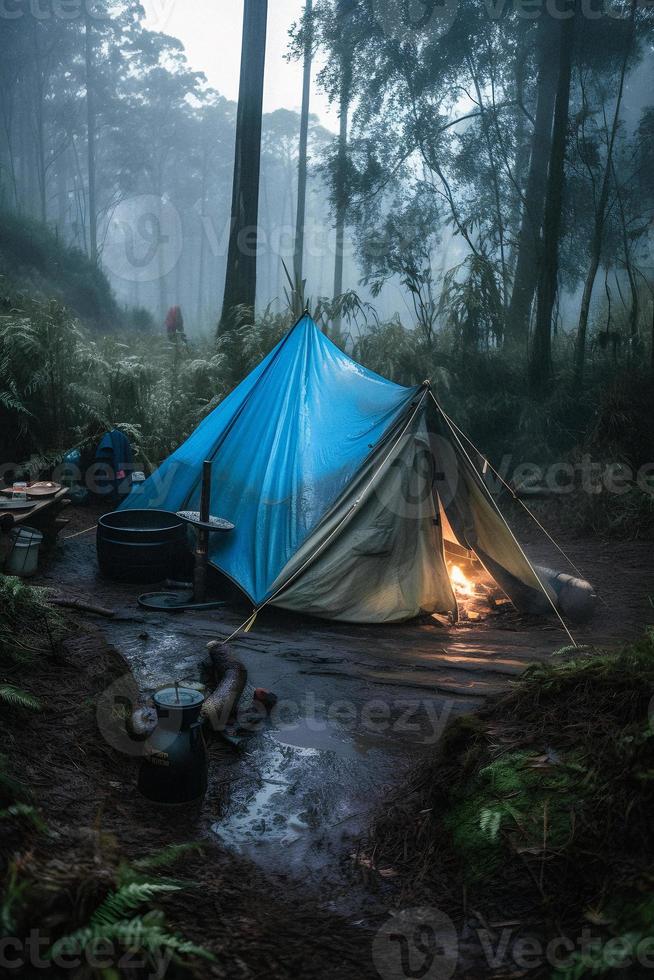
(178,697)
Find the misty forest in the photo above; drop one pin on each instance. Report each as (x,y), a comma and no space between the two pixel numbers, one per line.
(327,489)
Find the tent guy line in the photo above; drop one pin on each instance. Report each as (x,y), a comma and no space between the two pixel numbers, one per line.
(455,430)
(508,487)
(343,505)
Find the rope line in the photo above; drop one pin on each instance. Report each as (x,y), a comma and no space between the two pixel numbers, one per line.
(508,487)
(67,537)
(503,519)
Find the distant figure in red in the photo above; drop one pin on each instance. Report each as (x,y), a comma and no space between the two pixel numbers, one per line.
(174,322)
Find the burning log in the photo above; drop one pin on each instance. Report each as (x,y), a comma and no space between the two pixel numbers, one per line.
(475,598)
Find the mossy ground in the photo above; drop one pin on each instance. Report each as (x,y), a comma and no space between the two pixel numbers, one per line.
(541,806)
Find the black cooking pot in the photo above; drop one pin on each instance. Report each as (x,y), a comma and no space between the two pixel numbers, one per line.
(143,546)
(174,767)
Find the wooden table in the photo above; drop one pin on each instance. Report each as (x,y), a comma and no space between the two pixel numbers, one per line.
(44,515)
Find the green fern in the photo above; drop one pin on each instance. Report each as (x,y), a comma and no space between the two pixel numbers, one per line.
(120,903)
(167,856)
(490,821)
(142,933)
(16,698)
(111,924)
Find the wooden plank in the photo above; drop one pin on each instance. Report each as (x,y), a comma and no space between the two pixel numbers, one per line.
(24,516)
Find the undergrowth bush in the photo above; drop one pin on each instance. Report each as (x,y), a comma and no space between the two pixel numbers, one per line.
(34,256)
(541,804)
(62,387)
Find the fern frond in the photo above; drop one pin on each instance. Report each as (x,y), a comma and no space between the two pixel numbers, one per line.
(167,856)
(139,933)
(16,698)
(119,904)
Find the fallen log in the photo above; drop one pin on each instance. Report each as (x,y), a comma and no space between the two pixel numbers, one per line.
(230,677)
(68,602)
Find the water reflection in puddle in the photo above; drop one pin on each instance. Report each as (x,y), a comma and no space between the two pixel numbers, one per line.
(267,814)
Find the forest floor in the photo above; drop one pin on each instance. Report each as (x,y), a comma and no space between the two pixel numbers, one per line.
(284,888)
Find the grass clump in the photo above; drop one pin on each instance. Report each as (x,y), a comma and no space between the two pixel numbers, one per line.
(541,804)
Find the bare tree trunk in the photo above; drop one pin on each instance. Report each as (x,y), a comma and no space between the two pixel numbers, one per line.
(201,258)
(597,240)
(526,270)
(341,204)
(90,137)
(300,216)
(62,195)
(494,170)
(7,101)
(540,366)
(523,149)
(341,193)
(241,275)
(39,142)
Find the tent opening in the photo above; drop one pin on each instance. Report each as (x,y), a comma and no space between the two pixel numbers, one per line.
(477,593)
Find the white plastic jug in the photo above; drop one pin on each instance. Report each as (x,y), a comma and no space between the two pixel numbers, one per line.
(23,558)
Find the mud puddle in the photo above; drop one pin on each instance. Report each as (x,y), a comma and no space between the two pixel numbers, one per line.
(305,780)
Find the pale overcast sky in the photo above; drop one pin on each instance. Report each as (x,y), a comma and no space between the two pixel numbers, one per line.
(211,33)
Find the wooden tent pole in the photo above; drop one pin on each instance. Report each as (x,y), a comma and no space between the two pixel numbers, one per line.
(202,541)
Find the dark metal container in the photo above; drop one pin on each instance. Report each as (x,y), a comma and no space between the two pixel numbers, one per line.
(142,546)
(174,767)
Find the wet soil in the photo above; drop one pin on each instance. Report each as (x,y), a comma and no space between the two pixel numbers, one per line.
(358,706)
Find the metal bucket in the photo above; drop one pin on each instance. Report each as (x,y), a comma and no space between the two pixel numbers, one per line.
(143,546)
(23,558)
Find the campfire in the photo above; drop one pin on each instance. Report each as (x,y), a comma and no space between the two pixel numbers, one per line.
(476,596)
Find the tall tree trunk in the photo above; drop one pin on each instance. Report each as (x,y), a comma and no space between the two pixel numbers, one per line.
(241,275)
(523,149)
(540,366)
(201,257)
(7,100)
(634,309)
(62,195)
(531,223)
(599,223)
(494,170)
(39,122)
(90,136)
(341,193)
(300,215)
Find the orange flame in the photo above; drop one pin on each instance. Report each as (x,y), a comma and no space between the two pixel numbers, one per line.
(462,584)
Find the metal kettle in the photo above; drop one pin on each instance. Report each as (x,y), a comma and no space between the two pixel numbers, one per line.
(174,765)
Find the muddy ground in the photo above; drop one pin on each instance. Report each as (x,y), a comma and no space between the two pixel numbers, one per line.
(282,890)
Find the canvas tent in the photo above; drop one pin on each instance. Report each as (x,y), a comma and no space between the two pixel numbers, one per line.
(339,483)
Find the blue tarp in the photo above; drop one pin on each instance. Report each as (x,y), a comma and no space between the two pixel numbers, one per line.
(285,444)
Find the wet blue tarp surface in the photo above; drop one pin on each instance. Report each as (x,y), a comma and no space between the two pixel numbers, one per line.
(285,443)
